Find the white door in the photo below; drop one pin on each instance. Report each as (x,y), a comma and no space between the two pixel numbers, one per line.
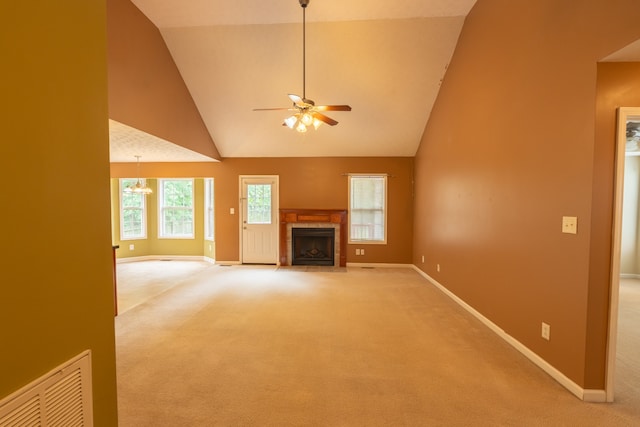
(259,201)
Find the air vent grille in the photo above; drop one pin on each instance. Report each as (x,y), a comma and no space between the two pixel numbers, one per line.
(62,398)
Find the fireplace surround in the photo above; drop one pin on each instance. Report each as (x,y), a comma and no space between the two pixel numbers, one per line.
(313,218)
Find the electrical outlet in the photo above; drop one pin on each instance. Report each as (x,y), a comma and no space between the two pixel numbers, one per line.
(132,247)
(232,211)
(357,251)
(438,268)
(361,251)
(423,259)
(546,331)
(570,224)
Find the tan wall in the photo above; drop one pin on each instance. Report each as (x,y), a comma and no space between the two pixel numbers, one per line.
(57,288)
(509,150)
(317,183)
(146,90)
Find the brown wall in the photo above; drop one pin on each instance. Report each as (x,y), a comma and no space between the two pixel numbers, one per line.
(57,281)
(146,90)
(317,183)
(510,149)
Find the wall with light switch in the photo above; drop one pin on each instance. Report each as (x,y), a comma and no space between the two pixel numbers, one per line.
(305,183)
(518,146)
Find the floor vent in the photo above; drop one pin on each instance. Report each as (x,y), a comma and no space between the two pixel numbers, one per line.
(62,398)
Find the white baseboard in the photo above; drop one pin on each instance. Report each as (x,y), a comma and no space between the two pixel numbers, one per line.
(163,257)
(377,265)
(629,276)
(594,396)
(597,396)
(218,262)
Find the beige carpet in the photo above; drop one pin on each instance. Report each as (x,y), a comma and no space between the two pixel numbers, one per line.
(260,346)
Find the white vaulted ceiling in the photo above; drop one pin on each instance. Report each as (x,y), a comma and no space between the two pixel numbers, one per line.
(385,59)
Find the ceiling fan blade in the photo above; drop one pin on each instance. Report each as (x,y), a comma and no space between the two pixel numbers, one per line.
(325,119)
(332,108)
(296,99)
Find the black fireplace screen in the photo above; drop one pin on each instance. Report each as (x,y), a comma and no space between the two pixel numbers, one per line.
(312,246)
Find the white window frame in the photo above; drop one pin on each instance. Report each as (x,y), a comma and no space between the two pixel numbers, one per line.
(161,209)
(143,235)
(353,240)
(209,212)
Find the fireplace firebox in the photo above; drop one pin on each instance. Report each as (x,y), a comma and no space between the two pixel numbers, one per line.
(312,246)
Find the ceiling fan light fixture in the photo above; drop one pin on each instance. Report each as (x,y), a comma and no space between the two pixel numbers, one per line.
(301,122)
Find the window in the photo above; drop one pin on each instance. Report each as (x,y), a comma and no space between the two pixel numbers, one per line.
(176,208)
(208,209)
(367,208)
(259,203)
(133,212)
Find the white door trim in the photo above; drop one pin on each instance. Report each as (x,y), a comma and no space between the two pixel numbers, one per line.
(614,285)
(275,207)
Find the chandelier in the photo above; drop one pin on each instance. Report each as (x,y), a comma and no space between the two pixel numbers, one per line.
(138,187)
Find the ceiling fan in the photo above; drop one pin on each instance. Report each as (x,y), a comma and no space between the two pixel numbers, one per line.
(306,112)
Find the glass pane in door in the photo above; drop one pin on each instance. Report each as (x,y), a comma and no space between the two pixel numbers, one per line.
(259,203)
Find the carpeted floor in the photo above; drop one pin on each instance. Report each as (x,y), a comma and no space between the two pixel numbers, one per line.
(261,346)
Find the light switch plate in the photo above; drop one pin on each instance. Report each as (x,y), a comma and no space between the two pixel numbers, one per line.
(546,331)
(570,224)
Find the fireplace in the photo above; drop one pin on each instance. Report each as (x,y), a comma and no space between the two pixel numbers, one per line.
(333,219)
(312,246)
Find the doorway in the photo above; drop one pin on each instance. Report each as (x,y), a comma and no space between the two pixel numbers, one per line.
(259,224)
(626,115)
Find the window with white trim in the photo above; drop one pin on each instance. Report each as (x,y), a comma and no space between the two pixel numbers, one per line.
(133,212)
(208,209)
(175,208)
(367,208)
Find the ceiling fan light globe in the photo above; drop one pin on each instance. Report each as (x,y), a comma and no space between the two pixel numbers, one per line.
(291,121)
(316,123)
(300,127)
(307,119)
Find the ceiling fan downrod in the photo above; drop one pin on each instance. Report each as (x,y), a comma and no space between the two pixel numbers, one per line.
(304,4)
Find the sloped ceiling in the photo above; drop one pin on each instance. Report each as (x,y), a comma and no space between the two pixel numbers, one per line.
(385,59)
(126,142)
